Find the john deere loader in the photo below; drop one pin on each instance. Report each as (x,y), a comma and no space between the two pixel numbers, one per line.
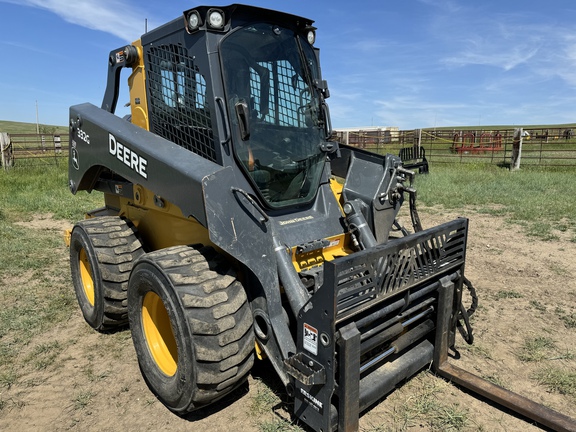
(233,229)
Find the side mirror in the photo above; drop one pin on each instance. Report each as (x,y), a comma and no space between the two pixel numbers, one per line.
(243,116)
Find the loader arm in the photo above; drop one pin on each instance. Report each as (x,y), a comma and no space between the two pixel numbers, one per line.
(101,141)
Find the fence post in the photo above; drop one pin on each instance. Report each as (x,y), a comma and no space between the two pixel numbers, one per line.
(516,149)
(57,144)
(417,138)
(6,151)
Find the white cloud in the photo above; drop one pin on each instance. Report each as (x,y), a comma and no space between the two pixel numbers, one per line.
(507,59)
(111,16)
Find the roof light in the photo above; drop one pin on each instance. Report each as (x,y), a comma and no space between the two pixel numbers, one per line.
(311,37)
(194,22)
(216,19)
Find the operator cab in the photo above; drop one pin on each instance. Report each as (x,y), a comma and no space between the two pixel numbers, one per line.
(279,120)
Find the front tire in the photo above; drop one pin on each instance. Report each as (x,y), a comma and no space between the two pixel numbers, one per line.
(102,253)
(191,325)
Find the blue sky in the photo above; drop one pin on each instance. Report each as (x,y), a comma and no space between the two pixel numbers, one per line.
(405,63)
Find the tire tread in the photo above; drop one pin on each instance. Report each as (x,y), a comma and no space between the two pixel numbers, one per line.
(116,249)
(217,312)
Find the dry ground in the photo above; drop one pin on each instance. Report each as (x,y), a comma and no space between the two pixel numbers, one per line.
(74,379)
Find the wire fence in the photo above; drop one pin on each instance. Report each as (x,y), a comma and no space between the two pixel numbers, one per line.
(33,150)
(545,147)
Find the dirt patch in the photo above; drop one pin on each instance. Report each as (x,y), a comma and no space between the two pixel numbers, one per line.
(85,381)
(45,221)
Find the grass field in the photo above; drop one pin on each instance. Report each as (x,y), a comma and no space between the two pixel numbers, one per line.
(539,200)
(12,127)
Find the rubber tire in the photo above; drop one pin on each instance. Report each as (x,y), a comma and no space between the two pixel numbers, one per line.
(111,248)
(211,323)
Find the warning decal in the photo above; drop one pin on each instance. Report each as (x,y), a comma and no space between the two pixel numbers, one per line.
(310,339)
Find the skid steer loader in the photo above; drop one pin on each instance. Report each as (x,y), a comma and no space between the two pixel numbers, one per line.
(234,229)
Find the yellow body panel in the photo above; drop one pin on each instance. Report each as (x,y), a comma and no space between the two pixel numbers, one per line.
(337,187)
(160,224)
(337,247)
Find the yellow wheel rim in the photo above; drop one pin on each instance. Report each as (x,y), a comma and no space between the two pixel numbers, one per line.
(86,277)
(158,333)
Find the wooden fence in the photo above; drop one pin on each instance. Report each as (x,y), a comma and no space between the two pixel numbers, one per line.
(29,150)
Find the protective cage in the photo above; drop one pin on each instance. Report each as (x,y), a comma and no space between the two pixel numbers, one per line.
(374,315)
(177,91)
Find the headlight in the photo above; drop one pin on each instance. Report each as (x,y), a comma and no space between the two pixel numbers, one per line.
(216,19)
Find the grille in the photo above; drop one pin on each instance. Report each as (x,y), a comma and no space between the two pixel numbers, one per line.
(178,105)
(376,274)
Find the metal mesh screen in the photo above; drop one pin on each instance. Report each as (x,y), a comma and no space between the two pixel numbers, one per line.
(177,94)
(287,93)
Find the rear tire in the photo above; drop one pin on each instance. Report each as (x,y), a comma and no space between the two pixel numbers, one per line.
(102,253)
(191,325)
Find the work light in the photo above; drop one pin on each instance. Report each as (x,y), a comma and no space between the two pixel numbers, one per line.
(311,37)
(194,21)
(216,19)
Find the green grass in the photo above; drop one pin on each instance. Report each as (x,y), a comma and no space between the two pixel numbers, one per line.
(558,380)
(508,294)
(44,355)
(427,407)
(83,399)
(264,400)
(42,190)
(12,127)
(537,199)
(17,245)
(262,404)
(569,319)
(536,349)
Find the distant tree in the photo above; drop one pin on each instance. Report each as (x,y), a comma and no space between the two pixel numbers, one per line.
(47,130)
